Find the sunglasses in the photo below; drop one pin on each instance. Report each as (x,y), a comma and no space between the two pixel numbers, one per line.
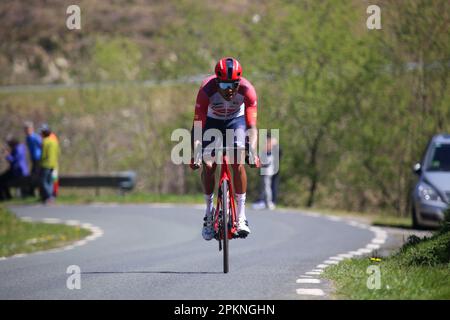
(228,85)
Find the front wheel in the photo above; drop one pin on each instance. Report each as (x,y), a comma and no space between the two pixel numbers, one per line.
(415,221)
(224,223)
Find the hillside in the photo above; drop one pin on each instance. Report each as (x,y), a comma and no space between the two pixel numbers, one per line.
(37,47)
(355,107)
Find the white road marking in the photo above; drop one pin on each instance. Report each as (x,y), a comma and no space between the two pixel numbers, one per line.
(317,270)
(303,276)
(322,266)
(373,246)
(355,253)
(336,258)
(308,280)
(353,223)
(73,222)
(312,273)
(310,292)
(52,220)
(331,262)
(332,218)
(345,255)
(55,250)
(379,241)
(80,243)
(313,214)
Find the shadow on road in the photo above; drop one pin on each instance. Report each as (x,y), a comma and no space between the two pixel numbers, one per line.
(150,272)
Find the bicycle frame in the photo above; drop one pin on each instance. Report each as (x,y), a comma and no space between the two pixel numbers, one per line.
(225,174)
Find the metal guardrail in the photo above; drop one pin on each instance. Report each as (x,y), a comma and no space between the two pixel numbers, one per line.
(124,181)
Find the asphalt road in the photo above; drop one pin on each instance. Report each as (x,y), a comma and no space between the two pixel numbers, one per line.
(157,252)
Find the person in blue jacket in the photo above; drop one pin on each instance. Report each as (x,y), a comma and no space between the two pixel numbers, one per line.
(34,144)
(16,155)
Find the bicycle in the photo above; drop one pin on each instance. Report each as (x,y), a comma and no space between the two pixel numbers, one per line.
(224,215)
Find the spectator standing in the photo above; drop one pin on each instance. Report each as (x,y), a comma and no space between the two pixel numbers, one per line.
(275,150)
(269,181)
(16,155)
(55,177)
(49,163)
(34,144)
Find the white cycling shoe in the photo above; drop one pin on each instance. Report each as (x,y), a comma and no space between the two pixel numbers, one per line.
(208,227)
(271,205)
(242,227)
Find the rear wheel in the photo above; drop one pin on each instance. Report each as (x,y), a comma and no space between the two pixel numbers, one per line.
(224,223)
(415,221)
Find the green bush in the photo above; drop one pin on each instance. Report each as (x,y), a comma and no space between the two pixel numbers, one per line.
(445,227)
(428,251)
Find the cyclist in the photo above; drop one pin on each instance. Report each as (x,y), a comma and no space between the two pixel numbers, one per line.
(226,100)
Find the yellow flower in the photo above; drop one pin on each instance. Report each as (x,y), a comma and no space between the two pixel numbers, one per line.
(375,259)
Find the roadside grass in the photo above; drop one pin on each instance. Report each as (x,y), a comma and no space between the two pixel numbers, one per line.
(17,236)
(392,221)
(130,198)
(73,197)
(398,282)
(419,270)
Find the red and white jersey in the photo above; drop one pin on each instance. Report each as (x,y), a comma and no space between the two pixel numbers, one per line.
(210,102)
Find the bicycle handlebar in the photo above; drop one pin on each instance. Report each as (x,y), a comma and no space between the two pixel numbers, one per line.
(223,148)
(196,164)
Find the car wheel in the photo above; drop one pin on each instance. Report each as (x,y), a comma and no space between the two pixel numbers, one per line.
(415,221)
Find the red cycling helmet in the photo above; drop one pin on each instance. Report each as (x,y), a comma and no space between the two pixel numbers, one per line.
(228,69)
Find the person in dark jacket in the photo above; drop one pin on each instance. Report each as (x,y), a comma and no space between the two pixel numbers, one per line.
(16,155)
